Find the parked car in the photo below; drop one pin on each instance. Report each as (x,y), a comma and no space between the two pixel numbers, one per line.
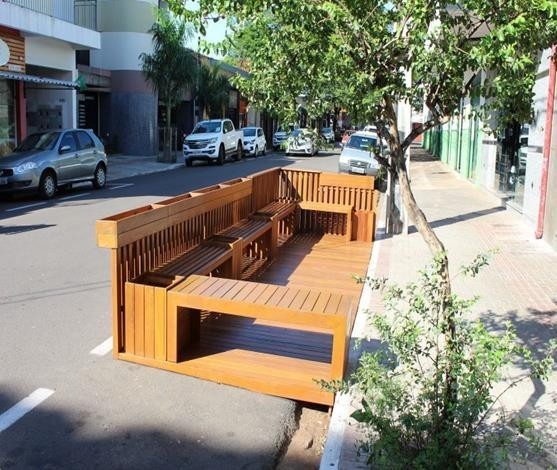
(280,136)
(254,141)
(302,142)
(358,154)
(213,140)
(328,134)
(47,160)
(345,137)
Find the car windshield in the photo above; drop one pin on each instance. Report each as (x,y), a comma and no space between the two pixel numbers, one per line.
(249,132)
(361,142)
(41,141)
(326,130)
(207,127)
(296,133)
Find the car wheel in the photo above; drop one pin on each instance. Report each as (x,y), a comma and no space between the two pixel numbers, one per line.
(256,153)
(47,185)
(240,152)
(189,162)
(99,178)
(265,150)
(220,159)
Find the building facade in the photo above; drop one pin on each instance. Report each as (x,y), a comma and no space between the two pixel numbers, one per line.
(515,164)
(38,74)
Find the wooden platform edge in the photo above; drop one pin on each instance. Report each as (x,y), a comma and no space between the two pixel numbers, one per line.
(310,392)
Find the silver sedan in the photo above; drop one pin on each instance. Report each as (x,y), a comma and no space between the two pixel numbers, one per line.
(47,160)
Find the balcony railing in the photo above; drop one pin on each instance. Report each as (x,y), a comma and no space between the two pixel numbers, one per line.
(80,12)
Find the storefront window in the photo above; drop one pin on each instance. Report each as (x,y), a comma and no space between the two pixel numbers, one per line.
(511,162)
(7,117)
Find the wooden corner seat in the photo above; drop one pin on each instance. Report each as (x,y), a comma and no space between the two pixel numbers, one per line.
(344,209)
(292,310)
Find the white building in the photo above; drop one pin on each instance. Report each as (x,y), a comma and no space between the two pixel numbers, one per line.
(38,74)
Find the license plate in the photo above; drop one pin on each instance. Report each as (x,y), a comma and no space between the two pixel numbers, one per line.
(361,171)
(3,180)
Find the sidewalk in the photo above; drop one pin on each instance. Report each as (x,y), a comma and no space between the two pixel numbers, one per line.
(126,166)
(519,285)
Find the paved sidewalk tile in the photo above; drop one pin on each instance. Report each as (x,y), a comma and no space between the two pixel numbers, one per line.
(126,166)
(519,285)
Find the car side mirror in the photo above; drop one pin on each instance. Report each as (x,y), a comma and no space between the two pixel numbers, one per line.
(64,149)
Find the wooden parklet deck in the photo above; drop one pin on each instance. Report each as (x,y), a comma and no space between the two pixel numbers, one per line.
(278,335)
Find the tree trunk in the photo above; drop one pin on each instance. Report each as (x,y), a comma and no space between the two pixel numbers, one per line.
(167,155)
(450,394)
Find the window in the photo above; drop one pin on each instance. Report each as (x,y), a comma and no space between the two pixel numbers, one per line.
(85,142)
(68,140)
(228,127)
(259,132)
(361,142)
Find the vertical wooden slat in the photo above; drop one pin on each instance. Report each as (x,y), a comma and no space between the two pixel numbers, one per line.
(139,324)
(117,301)
(149,321)
(160,324)
(130,318)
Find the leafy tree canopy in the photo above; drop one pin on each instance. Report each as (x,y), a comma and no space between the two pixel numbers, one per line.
(357,52)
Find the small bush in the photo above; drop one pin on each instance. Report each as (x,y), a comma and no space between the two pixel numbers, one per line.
(427,399)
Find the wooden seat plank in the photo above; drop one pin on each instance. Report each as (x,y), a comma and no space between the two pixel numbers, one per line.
(267,294)
(333,303)
(309,303)
(277,296)
(300,298)
(288,297)
(202,287)
(256,293)
(321,302)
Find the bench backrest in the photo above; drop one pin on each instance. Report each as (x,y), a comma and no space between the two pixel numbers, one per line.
(145,238)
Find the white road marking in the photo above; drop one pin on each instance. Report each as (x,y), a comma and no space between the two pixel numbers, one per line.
(73,197)
(121,186)
(19,208)
(104,348)
(23,407)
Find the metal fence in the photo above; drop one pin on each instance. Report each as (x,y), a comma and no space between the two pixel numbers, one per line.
(80,12)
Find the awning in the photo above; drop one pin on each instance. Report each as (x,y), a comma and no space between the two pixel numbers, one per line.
(34,79)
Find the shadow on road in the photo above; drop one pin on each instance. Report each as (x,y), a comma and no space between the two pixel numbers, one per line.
(49,438)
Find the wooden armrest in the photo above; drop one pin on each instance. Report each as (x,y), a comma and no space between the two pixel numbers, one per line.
(325,207)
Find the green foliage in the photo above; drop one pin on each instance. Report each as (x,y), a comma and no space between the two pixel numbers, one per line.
(171,67)
(403,401)
(213,89)
(358,53)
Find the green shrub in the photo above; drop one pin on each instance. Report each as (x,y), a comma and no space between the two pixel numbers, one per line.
(411,420)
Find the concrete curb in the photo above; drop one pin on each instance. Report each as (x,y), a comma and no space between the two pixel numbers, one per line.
(341,409)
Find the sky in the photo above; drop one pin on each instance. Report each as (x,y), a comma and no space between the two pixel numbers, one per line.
(215,32)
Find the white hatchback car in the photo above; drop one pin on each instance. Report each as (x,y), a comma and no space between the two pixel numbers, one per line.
(358,154)
(254,141)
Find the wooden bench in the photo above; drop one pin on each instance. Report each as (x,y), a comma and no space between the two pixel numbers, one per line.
(202,259)
(292,311)
(277,212)
(254,245)
(344,209)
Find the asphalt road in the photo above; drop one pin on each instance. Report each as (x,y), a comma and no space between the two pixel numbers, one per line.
(55,309)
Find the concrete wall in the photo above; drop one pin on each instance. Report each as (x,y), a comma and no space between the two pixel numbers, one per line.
(550,218)
(452,144)
(29,21)
(133,104)
(46,52)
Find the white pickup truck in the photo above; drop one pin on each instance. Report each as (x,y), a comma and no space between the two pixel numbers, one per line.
(213,140)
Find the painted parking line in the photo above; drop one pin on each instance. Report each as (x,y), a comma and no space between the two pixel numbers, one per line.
(73,196)
(23,407)
(120,186)
(19,208)
(102,349)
